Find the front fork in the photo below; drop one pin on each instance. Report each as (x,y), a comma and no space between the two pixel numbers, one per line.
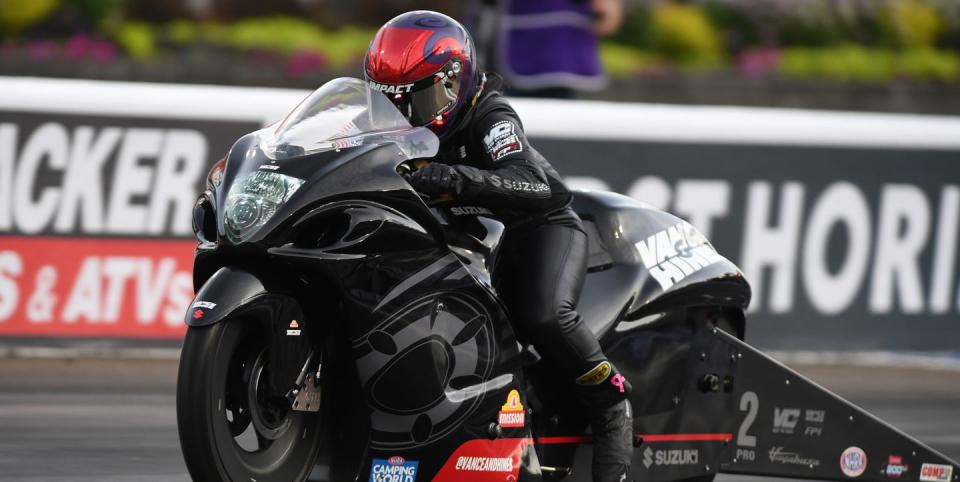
(304,396)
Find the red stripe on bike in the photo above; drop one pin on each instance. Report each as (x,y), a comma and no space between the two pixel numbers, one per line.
(571,439)
(688,437)
(677,437)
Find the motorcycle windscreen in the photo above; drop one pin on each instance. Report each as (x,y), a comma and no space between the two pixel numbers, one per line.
(345,113)
(342,114)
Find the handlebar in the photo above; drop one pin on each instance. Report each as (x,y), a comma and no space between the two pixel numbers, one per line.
(405,169)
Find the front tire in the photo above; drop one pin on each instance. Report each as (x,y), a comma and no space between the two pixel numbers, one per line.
(230,427)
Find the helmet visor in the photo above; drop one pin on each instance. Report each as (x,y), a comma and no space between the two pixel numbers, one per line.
(429,99)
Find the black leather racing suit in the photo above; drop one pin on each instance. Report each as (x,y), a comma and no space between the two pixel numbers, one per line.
(543,255)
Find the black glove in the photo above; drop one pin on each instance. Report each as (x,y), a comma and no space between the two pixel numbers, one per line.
(437,179)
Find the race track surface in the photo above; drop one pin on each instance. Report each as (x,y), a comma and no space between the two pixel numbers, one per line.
(109,420)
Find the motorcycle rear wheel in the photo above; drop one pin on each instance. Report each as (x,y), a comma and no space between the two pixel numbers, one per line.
(230,429)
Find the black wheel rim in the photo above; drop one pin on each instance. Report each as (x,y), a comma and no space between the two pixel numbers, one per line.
(256,433)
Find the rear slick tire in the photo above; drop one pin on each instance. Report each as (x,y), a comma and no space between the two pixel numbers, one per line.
(226,431)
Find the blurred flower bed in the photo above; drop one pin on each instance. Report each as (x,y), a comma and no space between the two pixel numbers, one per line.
(868,41)
(838,41)
(95,32)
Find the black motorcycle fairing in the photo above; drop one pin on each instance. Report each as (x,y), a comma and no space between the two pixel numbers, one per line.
(476,240)
(353,228)
(619,283)
(434,353)
(410,301)
(229,289)
(354,172)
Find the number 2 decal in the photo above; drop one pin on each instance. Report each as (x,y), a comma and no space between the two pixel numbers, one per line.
(749,403)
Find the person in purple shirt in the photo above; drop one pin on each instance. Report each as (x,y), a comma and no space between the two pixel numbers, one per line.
(547,48)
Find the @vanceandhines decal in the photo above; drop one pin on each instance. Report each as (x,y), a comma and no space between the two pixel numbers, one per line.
(393,469)
(853,462)
(482,460)
(511,413)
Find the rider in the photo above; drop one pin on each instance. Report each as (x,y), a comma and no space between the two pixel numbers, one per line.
(424,62)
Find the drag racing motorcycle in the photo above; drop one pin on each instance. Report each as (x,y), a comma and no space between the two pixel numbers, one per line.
(347,329)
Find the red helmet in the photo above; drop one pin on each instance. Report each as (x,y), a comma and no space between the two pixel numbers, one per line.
(424,63)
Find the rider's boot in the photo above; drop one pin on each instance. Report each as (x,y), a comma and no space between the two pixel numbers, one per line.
(603,393)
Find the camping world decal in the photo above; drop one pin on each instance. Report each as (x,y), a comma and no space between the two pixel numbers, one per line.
(393,469)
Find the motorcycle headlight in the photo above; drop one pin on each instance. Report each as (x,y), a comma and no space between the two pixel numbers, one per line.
(253,200)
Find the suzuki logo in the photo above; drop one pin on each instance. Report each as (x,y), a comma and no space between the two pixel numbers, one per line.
(647,457)
(197,314)
(785,420)
(670,457)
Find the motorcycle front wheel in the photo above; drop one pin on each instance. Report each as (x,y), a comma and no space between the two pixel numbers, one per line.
(230,427)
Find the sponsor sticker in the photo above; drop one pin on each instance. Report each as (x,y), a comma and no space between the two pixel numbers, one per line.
(936,473)
(894,468)
(390,88)
(816,416)
(293,329)
(785,420)
(853,462)
(393,469)
(348,142)
(781,456)
(814,419)
(511,413)
(502,140)
(482,460)
(204,304)
(596,375)
(470,210)
(485,464)
(659,457)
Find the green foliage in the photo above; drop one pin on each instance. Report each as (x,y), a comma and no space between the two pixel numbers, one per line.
(740,28)
(635,29)
(869,65)
(182,31)
(15,15)
(846,62)
(347,45)
(99,14)
(911,23)
(820,23)
(815,39)
(138,39)
(684,33)
(929,64)
(622,61)
(283,35)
